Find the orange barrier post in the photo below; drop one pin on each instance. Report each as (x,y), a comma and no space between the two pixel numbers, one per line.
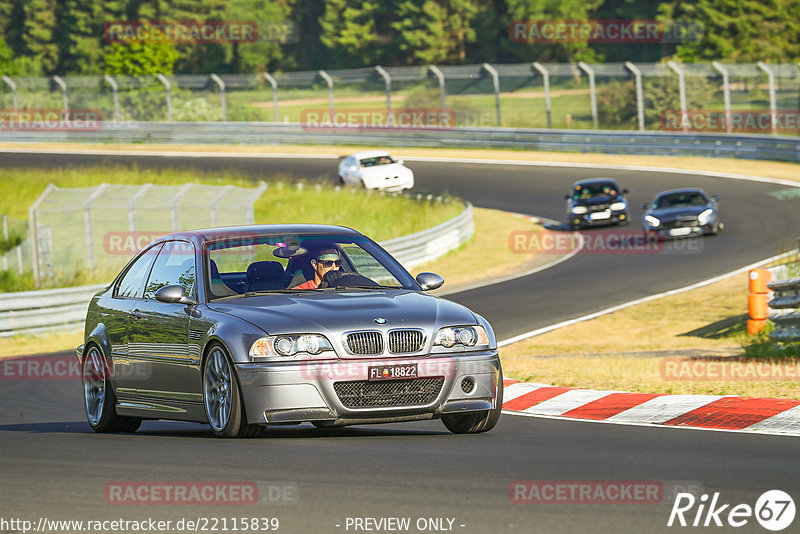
(757,300)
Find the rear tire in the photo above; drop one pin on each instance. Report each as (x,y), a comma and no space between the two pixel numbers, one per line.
(476,422)
(222,398)
(98,395)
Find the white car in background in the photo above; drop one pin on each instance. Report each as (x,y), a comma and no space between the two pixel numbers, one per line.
(375,169)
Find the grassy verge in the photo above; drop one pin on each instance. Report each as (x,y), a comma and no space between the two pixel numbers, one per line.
(484,257)
(628,349)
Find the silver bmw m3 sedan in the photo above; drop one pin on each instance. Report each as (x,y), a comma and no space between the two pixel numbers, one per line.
(245,327)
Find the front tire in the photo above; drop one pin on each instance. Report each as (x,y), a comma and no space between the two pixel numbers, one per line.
(222,398)
(99,398)
(476,422)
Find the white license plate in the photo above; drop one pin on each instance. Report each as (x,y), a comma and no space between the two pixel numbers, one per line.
(676,232)
(600,215)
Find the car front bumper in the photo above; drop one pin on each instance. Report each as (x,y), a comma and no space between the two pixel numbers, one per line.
(310,390)
(586,219)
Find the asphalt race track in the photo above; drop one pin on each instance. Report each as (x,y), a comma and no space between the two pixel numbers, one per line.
(53,465)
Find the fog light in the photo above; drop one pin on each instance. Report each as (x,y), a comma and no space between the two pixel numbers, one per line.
(467,384)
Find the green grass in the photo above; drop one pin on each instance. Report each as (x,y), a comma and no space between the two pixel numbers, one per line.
(381,217)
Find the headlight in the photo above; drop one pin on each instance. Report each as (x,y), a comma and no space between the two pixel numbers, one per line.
(468,336)
(289,345)
(705,217)
(579,210)
(618,206)
(652,221)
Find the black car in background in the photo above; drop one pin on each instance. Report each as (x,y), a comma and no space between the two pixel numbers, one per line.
(682,213)
(596,202)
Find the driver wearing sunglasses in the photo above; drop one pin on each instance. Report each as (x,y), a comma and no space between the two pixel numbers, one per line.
(326,260)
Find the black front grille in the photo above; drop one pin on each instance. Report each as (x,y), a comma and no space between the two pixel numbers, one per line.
(599,207)
(387,393)
(405,341)
(683,222)
(365,342)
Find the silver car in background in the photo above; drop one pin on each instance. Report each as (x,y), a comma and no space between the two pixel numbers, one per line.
(208,326)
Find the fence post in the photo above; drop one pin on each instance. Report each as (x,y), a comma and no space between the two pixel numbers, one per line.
(87,223)
(682,91)
(262,186)
(5,238)
(221,86)
(773,107)
(387,80)
(440,76)
(163,79)
(175,201)
(496,83)
(637,75)
(13,87)
(274,85)
(113,83)
(64,99)
(726,92)
(214,203)
(35,233)
(592,94)
(546,80)
(329,81)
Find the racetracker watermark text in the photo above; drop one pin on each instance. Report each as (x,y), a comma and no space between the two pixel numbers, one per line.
(200,32)
(598,242)
(748,121)
(601,31)
(703,369)
(50,119)
(378,119)
(200,493)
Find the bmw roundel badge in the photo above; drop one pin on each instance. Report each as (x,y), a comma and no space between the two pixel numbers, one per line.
(380,320)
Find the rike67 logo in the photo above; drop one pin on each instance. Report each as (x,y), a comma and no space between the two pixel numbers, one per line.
(774,510)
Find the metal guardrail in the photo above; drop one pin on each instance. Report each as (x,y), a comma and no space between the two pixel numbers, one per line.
(44,310)
(62,309)
(786,299)
(427,245)
(753,146)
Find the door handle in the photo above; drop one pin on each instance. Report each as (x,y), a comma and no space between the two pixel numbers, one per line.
(135,315)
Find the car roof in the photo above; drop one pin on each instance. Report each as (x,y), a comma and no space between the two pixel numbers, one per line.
(369,154)
(679,191)
(213,234)
(593,181)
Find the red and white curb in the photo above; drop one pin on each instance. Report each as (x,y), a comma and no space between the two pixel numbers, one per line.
(710,412)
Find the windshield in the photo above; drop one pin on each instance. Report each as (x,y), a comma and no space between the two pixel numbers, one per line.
(248,264)
(585,192)
(680,200)
(377,160)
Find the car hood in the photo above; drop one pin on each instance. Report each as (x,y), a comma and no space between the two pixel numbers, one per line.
(382,170)
(674,213)
(336,311)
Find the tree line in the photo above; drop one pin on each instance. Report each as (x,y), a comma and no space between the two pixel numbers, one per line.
(42,37)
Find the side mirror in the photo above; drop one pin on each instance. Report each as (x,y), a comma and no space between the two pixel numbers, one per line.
(644,207)
(399,161)
(625,191)
(429,281)
(715,198)
(566,197)
(173,294)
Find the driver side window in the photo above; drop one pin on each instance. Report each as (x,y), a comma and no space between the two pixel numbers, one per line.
(173,266)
